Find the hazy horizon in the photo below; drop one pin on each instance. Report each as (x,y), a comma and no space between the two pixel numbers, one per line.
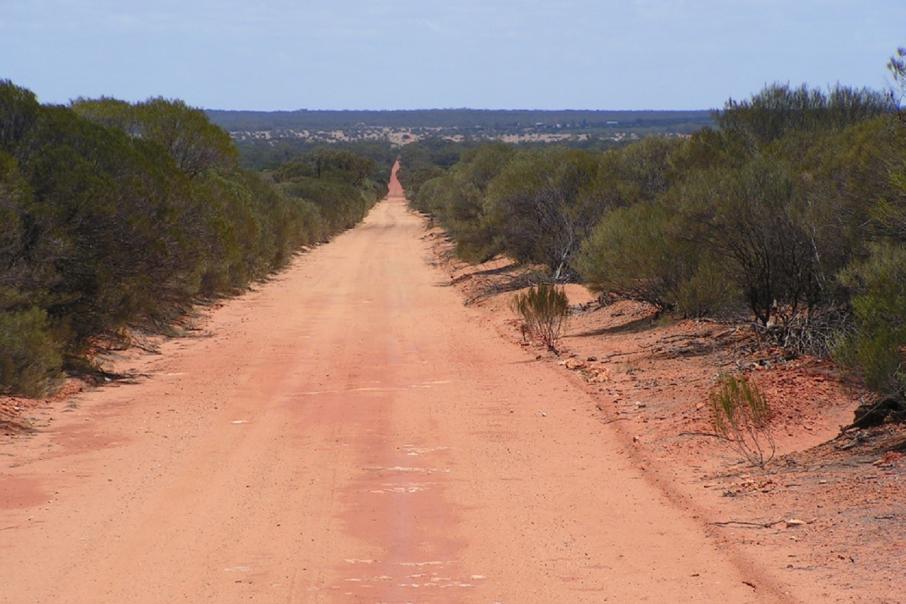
(406,55)
(416,109)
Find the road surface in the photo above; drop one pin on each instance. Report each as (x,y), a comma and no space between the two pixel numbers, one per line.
(349,432)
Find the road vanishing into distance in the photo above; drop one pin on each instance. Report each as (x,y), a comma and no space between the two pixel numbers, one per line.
(347,432)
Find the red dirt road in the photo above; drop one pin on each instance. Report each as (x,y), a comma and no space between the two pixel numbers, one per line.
(349,432)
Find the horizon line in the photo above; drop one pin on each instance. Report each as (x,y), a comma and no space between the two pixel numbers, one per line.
(306,109)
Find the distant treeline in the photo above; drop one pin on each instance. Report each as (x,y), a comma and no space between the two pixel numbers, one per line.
(270,154)
(793,209)
(463,119)
(115,214)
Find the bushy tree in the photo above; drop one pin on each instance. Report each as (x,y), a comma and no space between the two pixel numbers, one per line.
(18,111)
(780,109)
(637,173)
(194,143)
(877,348)
(535,206)
(29,354)
(753,223)
(897,68)
(628,254)
(116,214)
(793,208)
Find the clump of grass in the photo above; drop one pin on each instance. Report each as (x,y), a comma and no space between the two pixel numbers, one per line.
(740,414)
(543,309)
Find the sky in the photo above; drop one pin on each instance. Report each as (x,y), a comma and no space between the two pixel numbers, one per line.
(406,54)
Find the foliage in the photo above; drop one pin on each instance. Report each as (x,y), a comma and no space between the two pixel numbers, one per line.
(544,309)
(789,212)
(636,173)
(779,109)
(29,355)
(535,205)
(877,348)
(458,199)
(191,140)
(116,214)
(740,414)
(332,164)
(897,68)
(19,109)
(336,182)
(752,223)
(424,161)
(708,291)
(630,253)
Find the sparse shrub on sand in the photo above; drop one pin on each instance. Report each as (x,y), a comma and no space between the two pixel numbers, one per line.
(544,309)
(740,413)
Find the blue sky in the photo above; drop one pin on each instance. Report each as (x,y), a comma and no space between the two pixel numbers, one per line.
(387,54)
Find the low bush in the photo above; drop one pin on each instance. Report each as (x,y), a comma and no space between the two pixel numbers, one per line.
(629,253)
(29,356)
(538,207)
(709,291)
(116,214)
(740,414)
(877,348)
(544,309)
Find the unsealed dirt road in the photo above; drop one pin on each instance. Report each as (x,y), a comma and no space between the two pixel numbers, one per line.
(349,432)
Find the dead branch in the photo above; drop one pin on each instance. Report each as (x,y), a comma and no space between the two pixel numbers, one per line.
(747,523)
(709,434)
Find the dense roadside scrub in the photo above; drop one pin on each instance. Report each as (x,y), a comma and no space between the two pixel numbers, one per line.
(791,211)
(117,214)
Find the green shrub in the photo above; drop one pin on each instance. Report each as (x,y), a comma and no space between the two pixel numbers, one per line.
(543,309)
(780,109)
(29,356)
(877,349)
(457,199)
(341,204)
(114,214)
(631,253)
(709,291)
(740,414)
(750,219)
(537,206)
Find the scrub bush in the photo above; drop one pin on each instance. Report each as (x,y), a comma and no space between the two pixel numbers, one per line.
(741,415)
(29,356)
(544,309)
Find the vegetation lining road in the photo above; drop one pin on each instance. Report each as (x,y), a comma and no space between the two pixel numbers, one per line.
(792,214)
(117,215)
(348,430)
